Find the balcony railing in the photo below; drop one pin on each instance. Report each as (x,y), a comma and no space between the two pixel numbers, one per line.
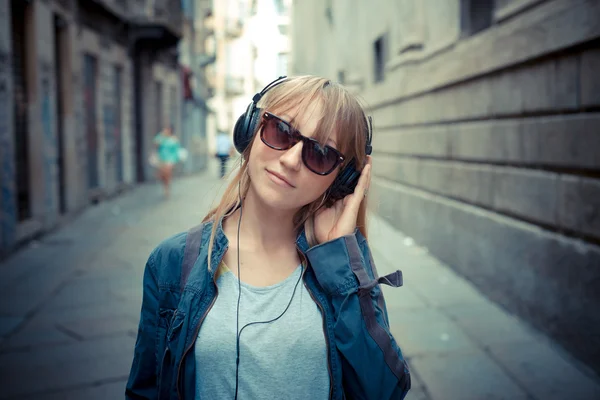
(118,8)
(210,80)
(208,90)
(233,28)
(208,25)
(234,86)
(166,13)
(206,59)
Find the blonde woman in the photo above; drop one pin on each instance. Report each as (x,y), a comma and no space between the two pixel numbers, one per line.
(275,295)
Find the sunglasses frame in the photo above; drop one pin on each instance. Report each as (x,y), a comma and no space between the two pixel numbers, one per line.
(296,135)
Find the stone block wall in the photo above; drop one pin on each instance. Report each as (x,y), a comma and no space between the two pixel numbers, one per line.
(486,144)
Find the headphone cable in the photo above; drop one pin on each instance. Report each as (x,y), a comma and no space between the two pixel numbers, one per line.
(237,322)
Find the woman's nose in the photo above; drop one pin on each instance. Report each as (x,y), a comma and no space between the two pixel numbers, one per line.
(292,158)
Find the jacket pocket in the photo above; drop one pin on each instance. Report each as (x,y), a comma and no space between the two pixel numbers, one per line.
(165,317)
(175,326)
(169,325)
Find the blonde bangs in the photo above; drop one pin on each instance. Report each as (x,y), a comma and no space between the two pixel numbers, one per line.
(341,112)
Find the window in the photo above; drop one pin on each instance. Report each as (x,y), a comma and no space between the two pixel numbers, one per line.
(329,12)
(283,29)
(380,57)
(280,7)
(158,103)
(20,64)
(187,6)
(173,100)
(282,64)
(475,16)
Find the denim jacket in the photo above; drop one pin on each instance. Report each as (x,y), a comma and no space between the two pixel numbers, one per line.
(363,358)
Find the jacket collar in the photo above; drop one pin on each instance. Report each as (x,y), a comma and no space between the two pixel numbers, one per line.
(301,241)
(200,276)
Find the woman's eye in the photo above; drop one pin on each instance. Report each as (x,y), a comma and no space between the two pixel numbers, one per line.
(282,128)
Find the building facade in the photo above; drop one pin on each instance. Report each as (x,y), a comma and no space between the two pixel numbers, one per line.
(84,87)
(486,144)
(251,44)
(268,34)
(232,63)
(195,56)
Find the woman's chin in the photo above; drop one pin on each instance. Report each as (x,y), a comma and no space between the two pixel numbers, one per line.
(279,201)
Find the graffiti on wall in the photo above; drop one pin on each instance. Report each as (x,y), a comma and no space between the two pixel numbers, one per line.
(48,140)
(108,122)
(108,116)
(8,208)
(80,133)
(90,71)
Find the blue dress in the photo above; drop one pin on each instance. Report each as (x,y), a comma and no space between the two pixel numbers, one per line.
(168,148)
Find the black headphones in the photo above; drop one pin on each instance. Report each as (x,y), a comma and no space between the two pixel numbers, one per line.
(246,126)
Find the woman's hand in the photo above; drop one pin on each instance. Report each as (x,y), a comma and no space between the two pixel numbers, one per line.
(340,219)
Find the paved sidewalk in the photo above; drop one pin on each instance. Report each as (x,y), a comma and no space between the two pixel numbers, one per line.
(71,301)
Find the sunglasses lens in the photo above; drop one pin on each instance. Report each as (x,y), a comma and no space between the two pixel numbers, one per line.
(319,159)
(277,134)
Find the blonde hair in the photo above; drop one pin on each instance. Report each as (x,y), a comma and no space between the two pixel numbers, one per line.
(341,112)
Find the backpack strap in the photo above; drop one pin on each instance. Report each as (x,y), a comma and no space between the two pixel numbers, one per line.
(190,254)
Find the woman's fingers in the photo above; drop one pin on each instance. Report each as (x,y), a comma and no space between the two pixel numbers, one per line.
(348,219)
(362,186)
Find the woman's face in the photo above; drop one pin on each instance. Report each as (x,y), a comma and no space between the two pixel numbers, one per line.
(280,178)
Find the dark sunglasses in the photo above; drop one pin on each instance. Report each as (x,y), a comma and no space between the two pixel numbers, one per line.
(279,135)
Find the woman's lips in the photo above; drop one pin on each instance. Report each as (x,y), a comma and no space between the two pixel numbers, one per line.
(279,179)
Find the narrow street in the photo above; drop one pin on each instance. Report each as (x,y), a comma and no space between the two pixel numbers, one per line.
(71,304)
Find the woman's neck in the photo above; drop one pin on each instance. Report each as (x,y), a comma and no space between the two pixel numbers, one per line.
(262,228)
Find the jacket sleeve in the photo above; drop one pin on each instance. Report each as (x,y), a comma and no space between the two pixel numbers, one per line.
(142,377)
(372,363)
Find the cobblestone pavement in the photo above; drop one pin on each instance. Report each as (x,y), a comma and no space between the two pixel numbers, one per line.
(71,304)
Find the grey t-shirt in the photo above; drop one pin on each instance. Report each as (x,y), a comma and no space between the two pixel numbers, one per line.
(286,359)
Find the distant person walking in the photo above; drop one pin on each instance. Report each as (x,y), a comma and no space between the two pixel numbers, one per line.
(224,151)
(168,150)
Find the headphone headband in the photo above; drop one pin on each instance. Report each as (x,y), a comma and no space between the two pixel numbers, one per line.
(256,98)
(274,83)
(369,148)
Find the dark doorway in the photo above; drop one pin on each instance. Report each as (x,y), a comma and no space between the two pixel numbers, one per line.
(138,127)
(380,58)
(90,70)
(118,133)
(158,106)
(60,37)
(20,38)
(476,15)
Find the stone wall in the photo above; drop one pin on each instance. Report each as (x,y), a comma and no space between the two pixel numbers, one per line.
(486,143)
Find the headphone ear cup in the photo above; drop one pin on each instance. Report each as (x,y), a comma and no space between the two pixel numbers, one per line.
(245,127)
(239,140)
(344,184)
(254,122)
